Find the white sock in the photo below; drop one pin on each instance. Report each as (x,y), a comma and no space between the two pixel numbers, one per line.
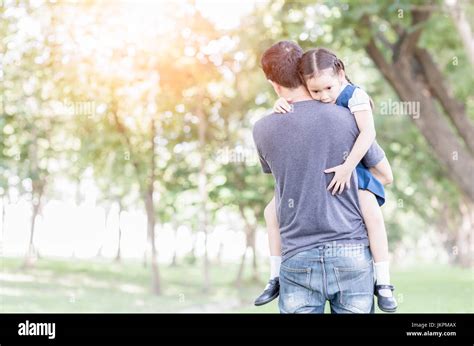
(275,262)
(382,275)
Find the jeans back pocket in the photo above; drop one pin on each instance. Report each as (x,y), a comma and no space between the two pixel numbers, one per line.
(295,289)
(356,285)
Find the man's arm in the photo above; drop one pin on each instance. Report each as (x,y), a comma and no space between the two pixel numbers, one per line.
(265,166)
(257,138)
(374,155)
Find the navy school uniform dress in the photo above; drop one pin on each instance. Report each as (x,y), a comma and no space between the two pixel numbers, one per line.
(365,179)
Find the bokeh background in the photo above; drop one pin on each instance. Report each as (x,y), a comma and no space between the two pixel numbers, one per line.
(129,181)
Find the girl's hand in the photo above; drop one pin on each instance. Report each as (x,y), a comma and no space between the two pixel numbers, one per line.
(282,106)
(341,179)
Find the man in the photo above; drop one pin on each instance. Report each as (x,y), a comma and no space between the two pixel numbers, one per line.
(325,254)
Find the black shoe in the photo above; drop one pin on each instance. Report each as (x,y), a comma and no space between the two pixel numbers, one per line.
(387,304)
(271,292)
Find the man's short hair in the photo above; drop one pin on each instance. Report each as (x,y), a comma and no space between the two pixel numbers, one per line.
(280,64)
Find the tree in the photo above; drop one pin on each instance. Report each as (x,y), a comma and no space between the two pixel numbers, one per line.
(29,117)
(415,77)
(245,189)
(168,101)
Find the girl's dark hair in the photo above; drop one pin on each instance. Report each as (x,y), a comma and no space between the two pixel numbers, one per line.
(315,60)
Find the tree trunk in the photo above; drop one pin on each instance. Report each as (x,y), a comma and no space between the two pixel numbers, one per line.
(37,194)
(410,75)
(150,212)
(464,236)
(192,253)
(240,273)
(3,221)
(31,247)
(250,233)
(463,27)
(147,251)
(174,261)
(118,256)
(145,255)
(219,254)
(203,194)
(255,276)
(454,109)
(156,284)
(106,217)
(458,226)
(415,78)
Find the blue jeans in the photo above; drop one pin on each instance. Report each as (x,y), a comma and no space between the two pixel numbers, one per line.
(343,275)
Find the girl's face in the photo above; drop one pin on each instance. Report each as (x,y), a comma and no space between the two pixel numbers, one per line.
(326,86)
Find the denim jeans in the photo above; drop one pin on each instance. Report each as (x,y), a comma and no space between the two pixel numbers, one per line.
(342,275)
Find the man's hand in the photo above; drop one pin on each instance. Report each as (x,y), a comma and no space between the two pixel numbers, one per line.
(282,106)
(341,179)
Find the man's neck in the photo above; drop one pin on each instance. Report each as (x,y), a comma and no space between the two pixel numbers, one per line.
(296,95)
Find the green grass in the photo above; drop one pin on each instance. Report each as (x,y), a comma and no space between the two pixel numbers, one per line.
(423,289)
(66,285)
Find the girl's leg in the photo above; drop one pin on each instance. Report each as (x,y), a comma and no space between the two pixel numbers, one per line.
(273,238)
(375,225)
(273,228)
(272,289)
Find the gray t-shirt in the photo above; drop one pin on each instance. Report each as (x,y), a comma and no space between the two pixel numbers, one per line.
(296,148)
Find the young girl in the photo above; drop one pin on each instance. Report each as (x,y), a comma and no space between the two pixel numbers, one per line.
(325,78)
